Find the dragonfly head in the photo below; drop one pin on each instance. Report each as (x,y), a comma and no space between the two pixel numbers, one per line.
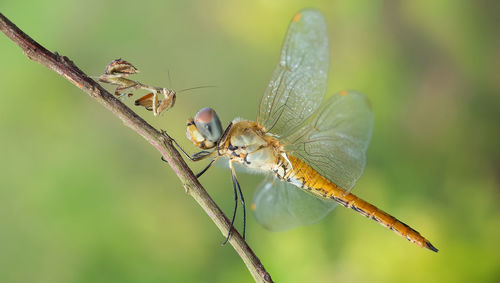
(205,129)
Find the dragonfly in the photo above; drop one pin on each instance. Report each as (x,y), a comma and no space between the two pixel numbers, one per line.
(312,150)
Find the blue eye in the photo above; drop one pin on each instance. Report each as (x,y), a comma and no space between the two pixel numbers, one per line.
(208,124)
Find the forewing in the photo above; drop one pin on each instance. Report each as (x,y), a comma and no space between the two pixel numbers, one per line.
(298,84)
(280,206)
(334,140)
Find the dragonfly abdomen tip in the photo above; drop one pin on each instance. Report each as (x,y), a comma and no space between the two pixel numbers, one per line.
(431,247)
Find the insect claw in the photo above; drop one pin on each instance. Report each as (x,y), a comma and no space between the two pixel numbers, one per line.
(164,133)
(227,238)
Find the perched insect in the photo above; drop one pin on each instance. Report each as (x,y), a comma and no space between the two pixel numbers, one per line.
(313,150)
(116,73)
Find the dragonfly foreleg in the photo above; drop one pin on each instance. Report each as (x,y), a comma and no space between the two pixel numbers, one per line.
(206,168)
(195,157)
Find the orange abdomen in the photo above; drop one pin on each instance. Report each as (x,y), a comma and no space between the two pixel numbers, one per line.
(324,188)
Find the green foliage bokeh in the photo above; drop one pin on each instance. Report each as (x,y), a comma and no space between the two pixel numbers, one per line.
(85,199)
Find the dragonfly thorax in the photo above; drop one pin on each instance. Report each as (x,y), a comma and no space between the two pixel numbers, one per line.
(248,144)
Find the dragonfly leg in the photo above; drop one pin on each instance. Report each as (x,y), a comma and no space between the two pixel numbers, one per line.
(235,191)
(195,157)
(206,168)
(242,199)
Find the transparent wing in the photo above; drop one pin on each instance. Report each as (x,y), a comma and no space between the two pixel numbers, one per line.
(280,206)
(298,84)
(334,140)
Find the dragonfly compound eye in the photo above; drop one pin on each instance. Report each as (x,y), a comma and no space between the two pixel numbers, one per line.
(208,124)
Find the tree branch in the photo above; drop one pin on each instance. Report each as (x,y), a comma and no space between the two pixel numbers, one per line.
(66,68)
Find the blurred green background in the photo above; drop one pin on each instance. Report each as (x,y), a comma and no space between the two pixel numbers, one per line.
(85,199)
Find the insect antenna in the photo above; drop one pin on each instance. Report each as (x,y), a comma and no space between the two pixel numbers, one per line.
(186,89)
(169,79)
(196,87)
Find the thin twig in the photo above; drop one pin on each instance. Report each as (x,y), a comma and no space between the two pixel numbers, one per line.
(66,68)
